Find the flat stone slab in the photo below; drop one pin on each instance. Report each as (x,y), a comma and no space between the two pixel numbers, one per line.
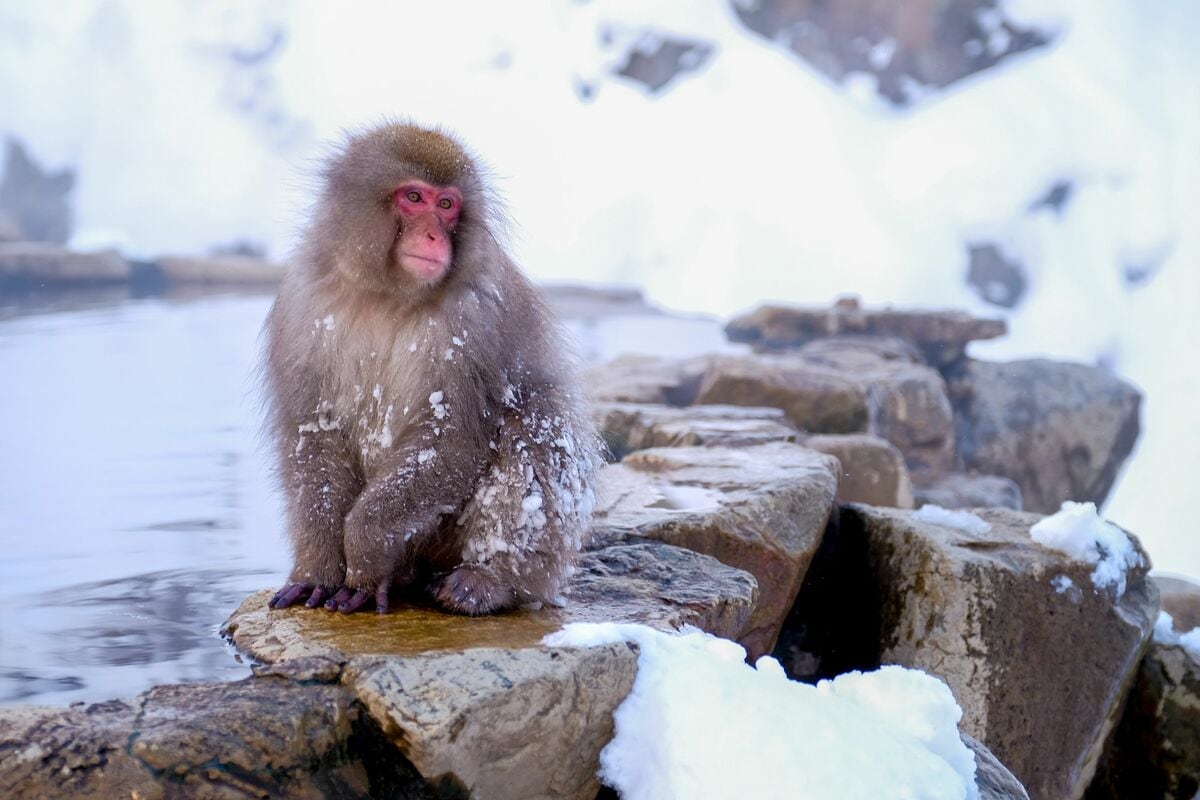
(627,427)
(940,334)
(651,583)
(762,509)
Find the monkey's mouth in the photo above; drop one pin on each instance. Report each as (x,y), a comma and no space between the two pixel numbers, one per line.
(423,268)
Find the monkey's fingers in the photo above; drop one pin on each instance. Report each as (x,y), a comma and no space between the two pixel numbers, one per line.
(355,602)
(318,596)
(338,599)
(289,594)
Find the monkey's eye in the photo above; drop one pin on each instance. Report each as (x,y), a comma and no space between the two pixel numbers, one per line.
(413,197)
(445,203)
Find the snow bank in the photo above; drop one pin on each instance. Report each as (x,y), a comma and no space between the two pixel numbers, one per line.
(700,723)
(1078,531)
(962,520)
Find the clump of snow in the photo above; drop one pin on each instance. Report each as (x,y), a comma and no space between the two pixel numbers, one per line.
(1165,633)
(1061,583)
(962,520)
(439,408)
(700,723)
(1078,530)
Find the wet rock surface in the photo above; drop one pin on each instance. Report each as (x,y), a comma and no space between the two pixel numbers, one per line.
(761,509)
(993,615)
(647,582)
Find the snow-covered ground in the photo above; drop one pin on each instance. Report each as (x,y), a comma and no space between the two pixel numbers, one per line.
(751,178)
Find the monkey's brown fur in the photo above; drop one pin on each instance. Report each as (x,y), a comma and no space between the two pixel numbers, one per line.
(424,432)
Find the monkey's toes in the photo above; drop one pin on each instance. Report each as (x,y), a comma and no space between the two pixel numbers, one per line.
(470,590)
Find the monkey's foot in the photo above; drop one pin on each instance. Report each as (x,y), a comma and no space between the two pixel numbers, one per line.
(470,590)
(294,592)
(348,600)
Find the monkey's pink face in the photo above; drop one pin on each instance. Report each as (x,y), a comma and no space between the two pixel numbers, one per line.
(427,217)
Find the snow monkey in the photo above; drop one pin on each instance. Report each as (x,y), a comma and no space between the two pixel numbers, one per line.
(426,415)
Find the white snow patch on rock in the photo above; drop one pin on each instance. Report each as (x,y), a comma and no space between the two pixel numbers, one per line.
(1077,530)
(701,723)
(1165,633)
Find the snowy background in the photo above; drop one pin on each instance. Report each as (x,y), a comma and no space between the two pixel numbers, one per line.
(749,176)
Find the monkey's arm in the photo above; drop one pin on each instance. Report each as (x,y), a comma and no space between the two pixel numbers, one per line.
(400,512)
(526,521)
(320,485)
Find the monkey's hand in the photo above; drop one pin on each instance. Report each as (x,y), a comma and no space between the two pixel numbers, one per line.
(469,589)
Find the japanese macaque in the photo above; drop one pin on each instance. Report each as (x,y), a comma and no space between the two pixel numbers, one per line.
(427,419)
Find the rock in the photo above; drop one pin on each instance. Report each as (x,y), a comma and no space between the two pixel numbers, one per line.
(962,490)
(815,397)
(251,738)
(910,408)
(982,612)
(636,426)
(656,59)
(37,202)
(645,379)
(872,469)
(901,50)
(479,706)
(992,778)
(906,400)
(854,353)
(941,336)
(1061,431)
(501,723)
(996,278)
(229,270)
(761,509)
(31,265)
(846,386)
(648,582)
(1155,750)
(1180,599)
